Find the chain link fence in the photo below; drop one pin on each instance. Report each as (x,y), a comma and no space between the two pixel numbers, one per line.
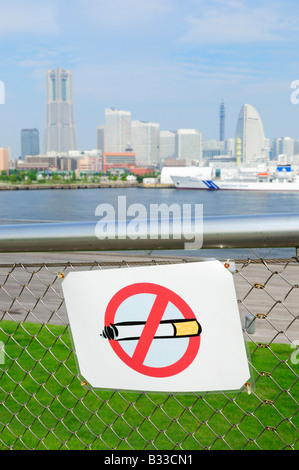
(44,405)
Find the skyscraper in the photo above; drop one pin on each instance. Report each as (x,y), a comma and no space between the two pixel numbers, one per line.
(222,121)
(100,137)
(286,146)
(145,141)
(188,145)
(117,130)
(250,138)
(29,142)
(60,132)
(167,144)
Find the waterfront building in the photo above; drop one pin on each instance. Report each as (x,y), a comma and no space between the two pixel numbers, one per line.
(67,164)
(276,143)
(100,138)
(286,146)
(29,142)
(267,148)
(230,147)
(124,162)
(60,132)
(174,162)
(39,163)
(213,148)
(167,145)
(117,131)
(250,137)
(4,159)
(145,142)
(219,149)
(88,161)
(85,161)
(188,145)
(90,164)
(118,160)
(284,149)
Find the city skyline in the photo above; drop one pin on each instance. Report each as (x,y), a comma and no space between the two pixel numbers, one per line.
(152,144)
(169,62)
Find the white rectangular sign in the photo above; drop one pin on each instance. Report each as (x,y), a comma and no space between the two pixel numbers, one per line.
(170,328)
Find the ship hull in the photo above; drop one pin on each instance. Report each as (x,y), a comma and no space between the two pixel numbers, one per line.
(210,185)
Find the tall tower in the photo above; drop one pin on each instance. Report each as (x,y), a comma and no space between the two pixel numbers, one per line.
(60,132)
(145,141)
(188,145)
(222,121)
(29,142)
(167,144)
(117,130)
(250,137)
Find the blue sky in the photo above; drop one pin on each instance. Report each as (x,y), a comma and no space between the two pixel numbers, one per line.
(166,61)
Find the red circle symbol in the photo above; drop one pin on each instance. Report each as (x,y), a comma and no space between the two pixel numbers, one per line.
(163,297)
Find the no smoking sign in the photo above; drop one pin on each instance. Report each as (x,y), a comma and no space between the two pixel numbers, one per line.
(147,334)
(172,328)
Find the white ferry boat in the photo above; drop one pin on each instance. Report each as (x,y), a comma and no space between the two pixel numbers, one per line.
(283,179)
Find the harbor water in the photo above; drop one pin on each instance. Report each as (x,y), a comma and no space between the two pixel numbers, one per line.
(62,205)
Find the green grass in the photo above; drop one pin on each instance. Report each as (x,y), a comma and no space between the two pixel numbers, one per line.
(44,406)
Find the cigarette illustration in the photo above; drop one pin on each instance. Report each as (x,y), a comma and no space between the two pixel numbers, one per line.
(125,331)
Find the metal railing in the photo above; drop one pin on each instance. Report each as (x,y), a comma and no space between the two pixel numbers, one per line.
(252,231)
(43,404)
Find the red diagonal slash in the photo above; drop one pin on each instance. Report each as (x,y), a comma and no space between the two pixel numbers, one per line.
(163,297)
(150,329)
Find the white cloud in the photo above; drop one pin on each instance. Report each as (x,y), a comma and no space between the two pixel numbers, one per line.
(235,22)
(123,13)
(30,16)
